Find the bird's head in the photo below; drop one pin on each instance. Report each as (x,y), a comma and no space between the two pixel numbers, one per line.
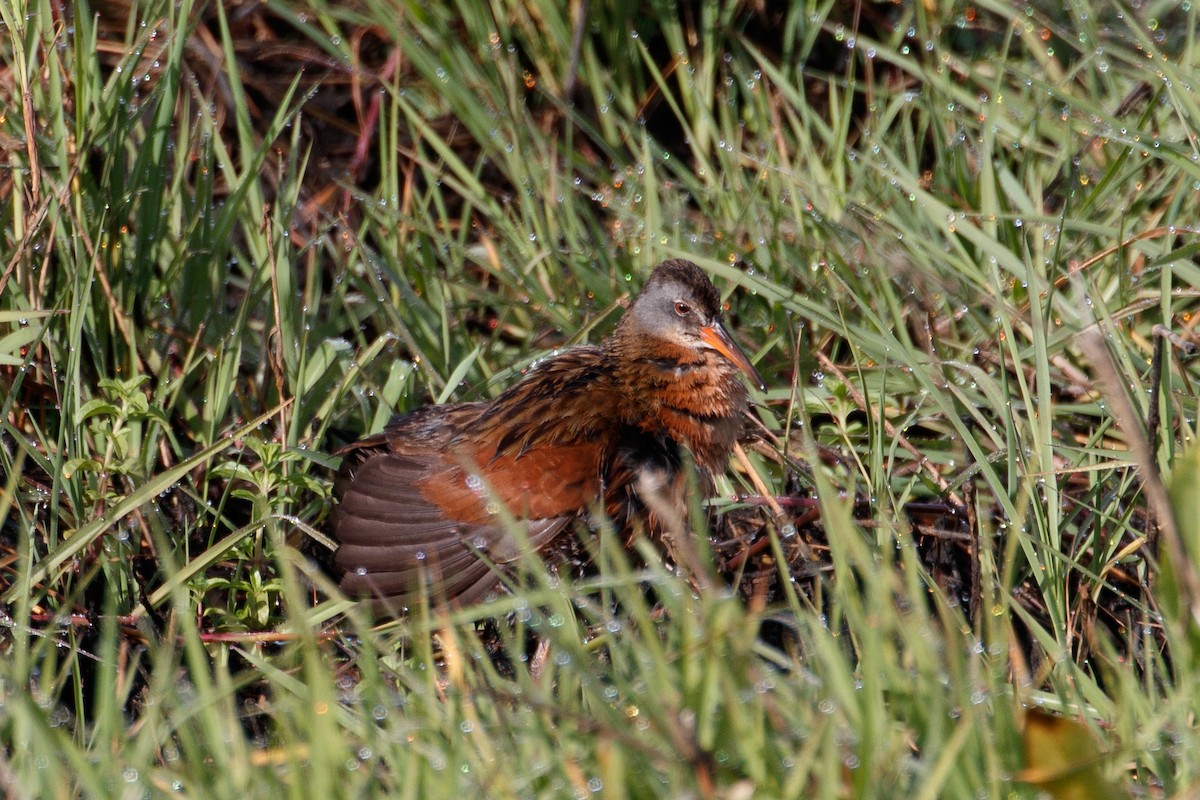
(680,306)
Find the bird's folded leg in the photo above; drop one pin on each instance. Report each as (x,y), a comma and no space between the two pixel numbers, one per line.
(663,492)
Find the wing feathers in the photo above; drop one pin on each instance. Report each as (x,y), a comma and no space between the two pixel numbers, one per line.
(406,521)
(421,502)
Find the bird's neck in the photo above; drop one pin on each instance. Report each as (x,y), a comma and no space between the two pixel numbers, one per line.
(693,397)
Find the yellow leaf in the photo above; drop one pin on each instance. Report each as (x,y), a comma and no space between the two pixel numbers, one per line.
(1063,759)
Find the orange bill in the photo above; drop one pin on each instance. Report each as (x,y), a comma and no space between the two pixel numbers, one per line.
(716,337)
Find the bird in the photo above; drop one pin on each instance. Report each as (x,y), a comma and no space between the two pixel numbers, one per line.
(428,505)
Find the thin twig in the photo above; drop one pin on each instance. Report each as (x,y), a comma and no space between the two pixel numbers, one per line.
(759,484)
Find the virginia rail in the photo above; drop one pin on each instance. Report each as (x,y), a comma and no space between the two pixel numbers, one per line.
(420,503)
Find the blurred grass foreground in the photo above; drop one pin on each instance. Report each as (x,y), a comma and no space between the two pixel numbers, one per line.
(960,240)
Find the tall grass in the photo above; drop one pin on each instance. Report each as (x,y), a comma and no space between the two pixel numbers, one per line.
(235,237)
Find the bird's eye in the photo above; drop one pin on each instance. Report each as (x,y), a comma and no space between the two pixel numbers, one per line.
(682,309)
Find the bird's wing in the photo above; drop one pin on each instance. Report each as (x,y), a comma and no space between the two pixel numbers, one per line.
(447,490)
(396,542)
(415,518)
